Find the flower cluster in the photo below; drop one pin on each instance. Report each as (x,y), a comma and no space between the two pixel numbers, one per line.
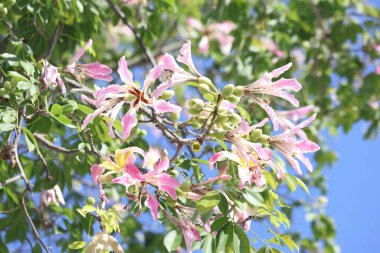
(150,179)
(216,31)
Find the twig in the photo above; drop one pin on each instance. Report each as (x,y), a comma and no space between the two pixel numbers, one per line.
(29,186)
(52,146)
(179,148)
(35,232)
(10,211)
(56,35)
(10,180)
(139,40)
(202,135)
(47,170)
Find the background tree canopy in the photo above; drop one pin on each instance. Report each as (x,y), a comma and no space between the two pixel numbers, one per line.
(334,46)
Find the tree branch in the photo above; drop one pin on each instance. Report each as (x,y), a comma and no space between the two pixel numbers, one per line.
(35,232)
(53,41)
(148,54)
(52,146)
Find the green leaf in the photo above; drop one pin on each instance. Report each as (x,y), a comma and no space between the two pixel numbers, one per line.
(28,67)
(24,85)
(223,204)
(254,198)
(18,76)
(29,143)
(31,137)
(172,240)
(56,109)
(208,244)
(303,185)
(208,201)
(77,245)
(291,182)
(240,240)
(5,127)
(218,224)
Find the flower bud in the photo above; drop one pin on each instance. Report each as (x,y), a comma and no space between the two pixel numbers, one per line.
(256,134)
(90,201)
(228,90)
(233,99)
(221,119)
(196,125)
(174,117)
(226,126)
(142,133)
(204,88)
(219,134)
(11,2)
(7,85)
(264,139)
(196,103)
(196,147)
(194,111)
(205,80)
(174,173)
(239,91)
(166,95)
(234,118)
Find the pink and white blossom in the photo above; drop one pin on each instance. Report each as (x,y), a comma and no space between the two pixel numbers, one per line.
(51,196)
(94,70)
(265,86)
(219,31)
(292,149)
(111,99)
(50,76)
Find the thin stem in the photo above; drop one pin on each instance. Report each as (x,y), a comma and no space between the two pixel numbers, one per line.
(10,180)
(49,51)
(35,232)
(52,146)
(146,51)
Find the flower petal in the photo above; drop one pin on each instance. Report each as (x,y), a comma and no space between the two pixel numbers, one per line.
(129,121)
(124,73)
(163,106)
(96,172)
(152,203)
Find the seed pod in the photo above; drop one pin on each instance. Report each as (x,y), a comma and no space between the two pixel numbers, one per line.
(239,91)
(174,173)
(174,117)
(7,85)
(226,126)
(205,80)
(256,134)
(142,133)
(220,119)
(228,90)
(233,99)
(234,118)
(196,147)
(264,139)
(11,2)
(166,95)
(204,89)
(196,103)
(196,125)
(219,134)
(90,201)
(194,111)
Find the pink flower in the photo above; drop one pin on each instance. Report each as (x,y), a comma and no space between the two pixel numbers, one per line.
(217,31)
(250,157)
(190,233)
(271,46)
(94,70)
(51,76)
(287,119)
(113,97)
(377,71)
(51,196)
(157,178)
(122,157)
(265,86)
(292,148)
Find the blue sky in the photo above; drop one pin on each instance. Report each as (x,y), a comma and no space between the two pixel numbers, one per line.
(353,188)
